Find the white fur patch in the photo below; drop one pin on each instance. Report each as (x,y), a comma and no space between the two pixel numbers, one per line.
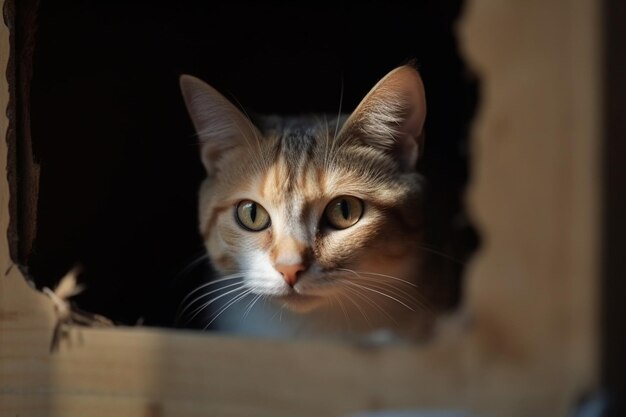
(261,275)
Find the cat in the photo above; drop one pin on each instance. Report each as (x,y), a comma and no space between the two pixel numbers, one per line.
(320,220)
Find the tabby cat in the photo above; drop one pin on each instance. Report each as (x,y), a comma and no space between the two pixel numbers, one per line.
(319,222)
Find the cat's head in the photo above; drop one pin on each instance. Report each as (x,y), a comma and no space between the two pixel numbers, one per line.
(314,213)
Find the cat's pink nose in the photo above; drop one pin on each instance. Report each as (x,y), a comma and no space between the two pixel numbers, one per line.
(290,272)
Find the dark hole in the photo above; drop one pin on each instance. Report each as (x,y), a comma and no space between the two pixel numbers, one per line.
(118,156)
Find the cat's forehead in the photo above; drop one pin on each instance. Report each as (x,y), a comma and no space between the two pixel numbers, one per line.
(295,148)
(298,162)
(294,171)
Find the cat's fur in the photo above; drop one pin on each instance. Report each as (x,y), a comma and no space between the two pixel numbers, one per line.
(353,281)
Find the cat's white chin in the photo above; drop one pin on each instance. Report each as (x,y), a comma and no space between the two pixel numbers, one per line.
(300,303)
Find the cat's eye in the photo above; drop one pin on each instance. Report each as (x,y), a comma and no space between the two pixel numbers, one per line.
(344,211)
(252,216)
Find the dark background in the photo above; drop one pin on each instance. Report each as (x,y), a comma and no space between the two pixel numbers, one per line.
(119,163)
(613,303)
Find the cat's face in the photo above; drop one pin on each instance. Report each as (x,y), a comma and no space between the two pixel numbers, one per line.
(312,214)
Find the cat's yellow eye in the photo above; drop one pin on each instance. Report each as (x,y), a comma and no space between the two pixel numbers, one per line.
(344,211)
(252,216)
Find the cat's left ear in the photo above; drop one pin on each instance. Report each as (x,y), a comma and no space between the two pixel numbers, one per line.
(220,126)
(391,117)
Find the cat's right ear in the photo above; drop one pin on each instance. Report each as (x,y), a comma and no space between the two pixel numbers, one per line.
(220,126)
(391,117)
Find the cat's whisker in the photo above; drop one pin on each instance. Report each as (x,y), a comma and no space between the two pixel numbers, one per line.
(333,139)
(191,303)
(381,293)
(415,297)
(339,111)
(326,141)
(212,300)
(392,290)
(213,282)
(358,307)
(276,313)
(389,289)
(338,118)
(364,297)
(230,303)
(442,254)
(405,291)
(250,306)
(343,309)
(378,275)
(194,263)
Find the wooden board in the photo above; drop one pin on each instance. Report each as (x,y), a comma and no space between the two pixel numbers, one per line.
(531,348)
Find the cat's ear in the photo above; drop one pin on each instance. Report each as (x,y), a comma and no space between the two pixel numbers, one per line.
(219,124)
(391,117)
